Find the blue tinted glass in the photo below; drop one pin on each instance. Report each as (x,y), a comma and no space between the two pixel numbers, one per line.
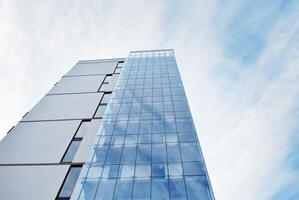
(193,168)
(175,169)
(108,128)
(129,154)
(105,189)
(158,138)
(104,140)
(95,171)
(133,127)
(158,126)
(141,189)
(145,139)
(145,126)
(177,189)
(170,125)
(168,106)
(113,155)
(71,151)
(159,170)
(100,154)
(171,137)
(197,187)
(187,137)
(89,188)
(120,127)
(190,151)
(110,171)
(143,153)
(117,139)
(131,139)
(143,171)
(180,106)
(173,152)
(126,171)
(159,153)
(123,189)
(184,125)
(160,189)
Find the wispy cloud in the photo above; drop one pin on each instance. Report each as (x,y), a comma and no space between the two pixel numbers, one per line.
(238,59)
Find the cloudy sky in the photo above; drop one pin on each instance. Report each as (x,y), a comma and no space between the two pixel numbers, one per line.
(239,61)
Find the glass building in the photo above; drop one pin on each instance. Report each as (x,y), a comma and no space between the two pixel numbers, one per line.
(116,128)
(146,146)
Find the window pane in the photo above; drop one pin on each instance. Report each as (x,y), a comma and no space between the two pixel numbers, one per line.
(106,98)
(185,125)
(158,138)
(143,153)
(159,153)
(100,111)
(113,155)
(143,171)
(177,189)
(82,129)
(105,189)
(70,182)
(131,139)
(141,189)
(170,126)
(120,128)
(123,189)
(193,168)
(71,151)
(173,152)
(117,139)
(190,151)
(129,154)
(126,171)
(104,140)
(160,189)
(95,171)
(110,171)
(89,187)
(133,127)
(159,170)
(145,139)
(197,187)
(100,154)
(175,169)
(187,137)
(145,126)
(180,106)
(171,137)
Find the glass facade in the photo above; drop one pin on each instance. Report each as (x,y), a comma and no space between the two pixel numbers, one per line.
(147,146)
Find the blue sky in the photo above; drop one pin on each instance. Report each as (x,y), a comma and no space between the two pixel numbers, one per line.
(238,60)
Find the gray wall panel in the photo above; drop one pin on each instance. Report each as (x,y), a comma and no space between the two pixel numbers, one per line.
(78,84)
(31,182)
(92,68)
(37,142)
(87,142)
(70,106)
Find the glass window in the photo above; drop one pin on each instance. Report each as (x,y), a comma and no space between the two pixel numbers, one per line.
(158,126)
(160,189)
(71,151)
(82,129)
(108,128)
(110,171)
(170,126)
(135,108)
(95,171)
(142,189)
(123,189)
(145,126)
(190,151)
(144,139)
(105,189)
(131,139)
(133,127)
(168,106)
(187,137)
(129,154)
(117,139)
(143,170)
(180,106)
(177,189)
(104,140)
(173,152)
(185,125)
(89,187)
(197,187)
(127,171)
(193,168)
(105,98)
(125,108)
(113,155)
(158,138)
(144,153)
(159,153)
(171,137)
(120,128)
(100,111)
(159,170)
(70,182)
(100,154)
(175,169)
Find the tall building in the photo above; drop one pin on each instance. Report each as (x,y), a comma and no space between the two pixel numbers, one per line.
(109,129)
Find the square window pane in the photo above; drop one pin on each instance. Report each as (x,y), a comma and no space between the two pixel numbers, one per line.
(94,171)
(170,126)
(159,153)
(100,154)
(197,187)
(145,126)
(173,152)
(175,169)
(144,153)
(160,189)
(190,151)
(141,189)
(133,127)
(158,138)
(177,189)
(131,139)
(193,168)
(113,155)
(159,170)
(117,139)
(187,137)
(158,126)
(127,171)
(123,189)
(120,128)
(104,140)
(171,137)
(105,189)
(185,125)
(110,171)
(143,171)
(129,154)
(89,187)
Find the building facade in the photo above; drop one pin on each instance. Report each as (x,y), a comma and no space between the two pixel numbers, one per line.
(109,129)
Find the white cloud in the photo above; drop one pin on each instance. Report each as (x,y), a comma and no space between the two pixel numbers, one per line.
(244,113)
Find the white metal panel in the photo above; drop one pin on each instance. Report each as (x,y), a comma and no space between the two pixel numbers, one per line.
(31,182)
(78,84)
(90,68)
(87,141)
(37,142)
(70,106)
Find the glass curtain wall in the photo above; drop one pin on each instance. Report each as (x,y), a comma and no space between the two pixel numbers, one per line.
(147,146)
